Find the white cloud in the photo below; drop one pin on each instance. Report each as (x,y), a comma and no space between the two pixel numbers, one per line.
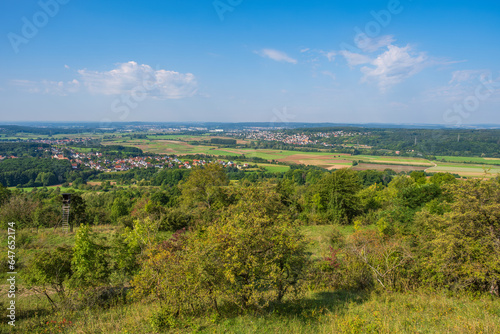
(468,75)
(276,55)
(48,87)
(331,55)
(467,83)
(329,74)
(354,59)
(395,65)
(390,65)
(368,44)
(126,78)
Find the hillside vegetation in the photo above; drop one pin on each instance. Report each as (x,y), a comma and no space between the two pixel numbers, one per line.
(311,251)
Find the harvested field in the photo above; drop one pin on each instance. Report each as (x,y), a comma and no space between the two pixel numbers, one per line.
(311,159)
(396,168)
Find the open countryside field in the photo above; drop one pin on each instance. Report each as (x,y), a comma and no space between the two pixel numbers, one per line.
(477,160)
(394,160)
(274,168)
(394,167)
(325,160)
(466,170)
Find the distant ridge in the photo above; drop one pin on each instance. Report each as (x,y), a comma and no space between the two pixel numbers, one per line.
(235,125)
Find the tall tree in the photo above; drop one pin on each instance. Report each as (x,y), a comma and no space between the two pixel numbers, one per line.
(337,195)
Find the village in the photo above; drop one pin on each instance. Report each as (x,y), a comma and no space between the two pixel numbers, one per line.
(99,161)
(299,138)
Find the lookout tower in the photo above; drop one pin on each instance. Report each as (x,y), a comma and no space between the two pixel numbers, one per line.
(65,211)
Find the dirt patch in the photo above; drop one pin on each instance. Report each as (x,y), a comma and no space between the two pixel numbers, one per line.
(413,163)
(332,167)
(396,168)
(313,159)
(98,183)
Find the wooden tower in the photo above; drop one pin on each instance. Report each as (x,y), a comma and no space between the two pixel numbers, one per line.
(65,212)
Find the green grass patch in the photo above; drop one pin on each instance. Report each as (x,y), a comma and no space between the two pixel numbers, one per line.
(478,160)
(274,168)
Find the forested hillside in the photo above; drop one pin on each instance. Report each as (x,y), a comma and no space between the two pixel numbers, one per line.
(195,249)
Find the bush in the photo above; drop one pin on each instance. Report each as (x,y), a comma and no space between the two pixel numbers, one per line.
(248,257)
(89,263)
(175,219)
(366,260)
(50,269)
(461,248)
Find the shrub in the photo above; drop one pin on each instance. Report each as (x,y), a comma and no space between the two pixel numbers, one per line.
(50,269)
(89,262)
(248,257)
(462,246)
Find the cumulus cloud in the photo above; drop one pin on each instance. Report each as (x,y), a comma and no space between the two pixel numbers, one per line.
(385,63)
(131,76)
(276,55)
(395,65)
(126,78)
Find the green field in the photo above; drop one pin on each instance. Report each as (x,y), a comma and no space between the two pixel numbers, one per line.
(63,189)
(178,145)
(476,160)
(466,169)
(397,160)
(274,168)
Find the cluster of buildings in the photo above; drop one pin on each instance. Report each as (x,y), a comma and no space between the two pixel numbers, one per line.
(299,138)
(60,141)
(96,160)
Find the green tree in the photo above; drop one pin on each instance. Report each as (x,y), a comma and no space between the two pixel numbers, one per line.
(77,211)
(442,178)
(119,208)
(337,192)
(203,187)
(89,262)
(4,194)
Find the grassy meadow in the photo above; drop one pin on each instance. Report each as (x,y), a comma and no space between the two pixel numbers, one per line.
(313,311)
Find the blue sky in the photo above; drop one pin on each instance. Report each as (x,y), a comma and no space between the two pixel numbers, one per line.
(250,60)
